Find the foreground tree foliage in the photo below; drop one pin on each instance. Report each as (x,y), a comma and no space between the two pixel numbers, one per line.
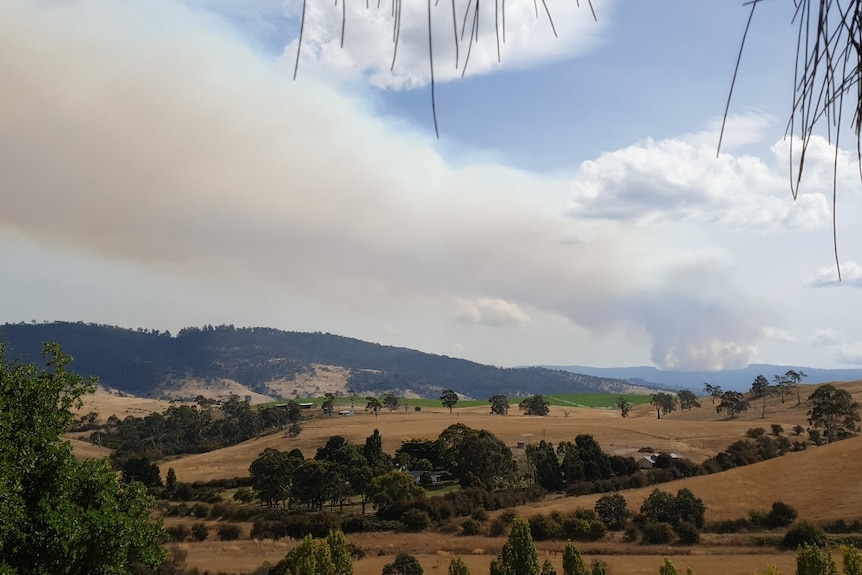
(519,555)
(326,557)
(61,516)
(404,564)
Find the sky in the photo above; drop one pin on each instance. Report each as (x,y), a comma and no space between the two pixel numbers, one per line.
(160,168)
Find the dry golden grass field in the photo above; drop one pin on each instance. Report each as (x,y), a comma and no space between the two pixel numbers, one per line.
(822,483)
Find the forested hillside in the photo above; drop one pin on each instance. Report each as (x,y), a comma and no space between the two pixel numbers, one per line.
(140,361)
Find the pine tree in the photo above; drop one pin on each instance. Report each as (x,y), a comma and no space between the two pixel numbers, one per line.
(339,553)
(518,556)
(573,563)
(457,567)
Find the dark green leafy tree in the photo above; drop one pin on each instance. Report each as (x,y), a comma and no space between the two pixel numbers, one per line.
(449,399)
(404,564)
(624,405)
(733,402)
(60,516)
(760,386)
(373,404)
(664,403)
(546,468)
(272,476)
(534,405)
(660,507)
(477,457)
(142,470)
(313,483)
(548,568)
(519,555)
(612,510)
(713,391)
(583,460)
(393,487)
(499,404)
(687,400)
(833,410)
(391,401)
(690,508)
(171,481)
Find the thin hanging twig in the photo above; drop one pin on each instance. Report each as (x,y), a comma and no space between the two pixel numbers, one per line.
(299,42)
(497,26)
(431,66)
(550,19)
(396,31)
(733,80)
(455,29)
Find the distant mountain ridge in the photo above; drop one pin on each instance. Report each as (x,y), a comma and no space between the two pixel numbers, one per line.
(142,362)
(732,379)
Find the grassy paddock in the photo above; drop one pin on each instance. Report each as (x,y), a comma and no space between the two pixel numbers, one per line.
(596,400)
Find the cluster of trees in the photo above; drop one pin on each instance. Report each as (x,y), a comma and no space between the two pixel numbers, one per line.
(341,471)
(203,426)
(569,463)
(338,472)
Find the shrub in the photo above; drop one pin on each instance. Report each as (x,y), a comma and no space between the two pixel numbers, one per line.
(416,520)
(688,533)
(497,528)
(200,531)
(803,533)
(543,527)
(781,515)
(755,432)
(480,514)
(597,530)
(178,533)
(354,524)
(576,529)
(243,495)
(471,527)
(631,533)
(228,532)
(199,510)
(657,533)
(777,429)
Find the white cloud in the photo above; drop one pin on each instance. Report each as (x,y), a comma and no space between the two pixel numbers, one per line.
(369,39)
(851,275)
(825,337)
(673,180)
(493,312)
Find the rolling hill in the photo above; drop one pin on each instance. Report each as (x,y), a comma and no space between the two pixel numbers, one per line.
(278,363)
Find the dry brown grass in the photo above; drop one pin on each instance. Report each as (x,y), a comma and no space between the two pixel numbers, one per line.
(820,483)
